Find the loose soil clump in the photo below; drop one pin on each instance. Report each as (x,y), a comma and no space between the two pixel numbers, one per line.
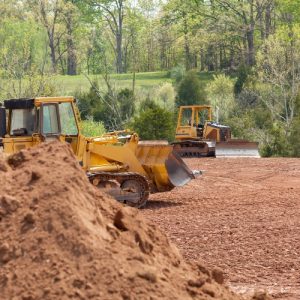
(61,238)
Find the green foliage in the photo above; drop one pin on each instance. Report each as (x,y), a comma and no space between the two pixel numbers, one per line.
(92,128)
(289,8)
(88,103)
(294,138)
(154,123)
(126,101)
(177,73)
(113,109)
(220,95)
(278,70)
(191,90)
(147,104)
(242,125)
(247,98)
(21,70)
(242,76)
(166,95)
(278,144)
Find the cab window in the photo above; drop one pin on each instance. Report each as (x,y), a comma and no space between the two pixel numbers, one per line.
(203,116)
(67,119)
(50,119)
(186,117)
(22,119)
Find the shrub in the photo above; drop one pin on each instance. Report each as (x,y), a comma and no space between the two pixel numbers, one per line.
(247,98)
(113,109)
(294,139)
(220,95)
(92,128)
(191,90)
(154,123)
(178,73)
(166,93)
(126,102)
(242,76)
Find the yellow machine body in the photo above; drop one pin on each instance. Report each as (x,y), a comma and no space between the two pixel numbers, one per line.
(197,135)
(138,168)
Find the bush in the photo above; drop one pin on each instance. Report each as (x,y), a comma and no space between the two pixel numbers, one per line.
(220,95)
(247,98)
(242,76)
(191,90)
(294,139)
(113,109)
(87,102)
(178,73)
(166,93)
(126,102)
(91,128)
(147,104)
(154,123)
(278,144)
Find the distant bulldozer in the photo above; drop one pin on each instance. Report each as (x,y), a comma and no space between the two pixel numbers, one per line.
(115,162)
(197,135)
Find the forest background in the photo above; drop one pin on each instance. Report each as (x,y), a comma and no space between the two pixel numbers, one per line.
(131,63)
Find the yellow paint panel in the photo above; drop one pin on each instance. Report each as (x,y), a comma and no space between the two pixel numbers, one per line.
(38,101)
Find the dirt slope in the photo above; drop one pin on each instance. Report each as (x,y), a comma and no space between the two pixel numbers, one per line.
(60,238)
(242,216)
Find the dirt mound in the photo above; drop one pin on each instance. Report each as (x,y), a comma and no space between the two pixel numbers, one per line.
(61,238)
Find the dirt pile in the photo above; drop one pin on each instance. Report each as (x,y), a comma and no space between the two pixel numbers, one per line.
(61,238)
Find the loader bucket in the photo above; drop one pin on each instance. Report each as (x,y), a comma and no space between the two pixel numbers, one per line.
(165,168)
(237,148)
(179,172)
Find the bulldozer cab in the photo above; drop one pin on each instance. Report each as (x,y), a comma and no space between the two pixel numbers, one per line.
(32,121)
(192,121)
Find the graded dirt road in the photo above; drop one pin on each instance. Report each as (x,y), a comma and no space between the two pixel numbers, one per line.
(242,215)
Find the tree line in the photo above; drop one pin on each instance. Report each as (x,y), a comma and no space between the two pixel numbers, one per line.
(75,36)
(252,48)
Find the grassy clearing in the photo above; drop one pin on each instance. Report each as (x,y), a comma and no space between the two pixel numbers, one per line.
(69,85)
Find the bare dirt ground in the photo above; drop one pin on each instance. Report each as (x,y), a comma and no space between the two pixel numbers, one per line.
(242,215)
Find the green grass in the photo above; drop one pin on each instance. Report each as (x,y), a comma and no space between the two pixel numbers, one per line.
(206,76)
(146,83)
(69,85)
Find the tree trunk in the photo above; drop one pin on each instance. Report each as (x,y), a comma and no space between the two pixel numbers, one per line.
(119,51)
(268,20)
(186,44)
(250,44)
(119,38)
(52,52)
(250,36)
(71,51)
(202,60)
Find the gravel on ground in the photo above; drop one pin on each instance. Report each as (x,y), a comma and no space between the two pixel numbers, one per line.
(243,216)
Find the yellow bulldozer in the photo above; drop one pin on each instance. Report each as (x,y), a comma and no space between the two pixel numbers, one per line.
(197,135)
(116,162)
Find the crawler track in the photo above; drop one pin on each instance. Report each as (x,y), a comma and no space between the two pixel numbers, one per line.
(132,188)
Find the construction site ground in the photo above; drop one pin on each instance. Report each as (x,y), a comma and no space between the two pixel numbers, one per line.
(242,215)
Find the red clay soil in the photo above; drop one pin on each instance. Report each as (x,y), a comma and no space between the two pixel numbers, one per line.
(61,238)
(243,216)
